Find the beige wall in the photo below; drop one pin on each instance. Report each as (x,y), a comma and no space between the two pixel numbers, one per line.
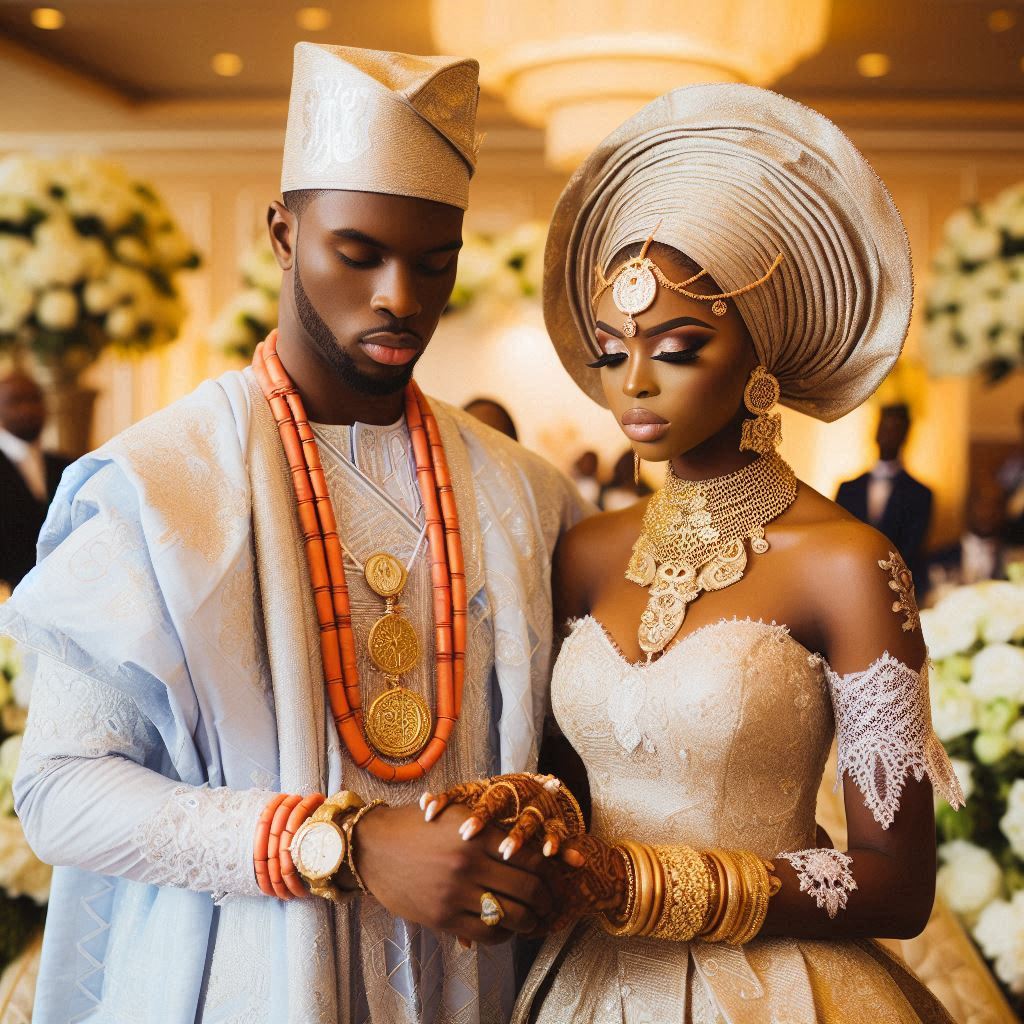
(219,182)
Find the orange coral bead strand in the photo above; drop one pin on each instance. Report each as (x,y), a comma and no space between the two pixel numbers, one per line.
(327,569)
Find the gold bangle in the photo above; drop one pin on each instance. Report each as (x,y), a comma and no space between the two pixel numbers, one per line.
(350,828)
(648,889)
(687,893)
(657,902)
(732,899)
(618,926)
(758,888)
(719,897)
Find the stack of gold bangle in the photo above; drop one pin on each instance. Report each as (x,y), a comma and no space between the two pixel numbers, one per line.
(679,894)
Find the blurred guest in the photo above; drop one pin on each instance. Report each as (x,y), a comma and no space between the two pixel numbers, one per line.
(28,475)
(584,475)
(1011,480)
(981,552)
(494,414)
(622,490)
(888,497)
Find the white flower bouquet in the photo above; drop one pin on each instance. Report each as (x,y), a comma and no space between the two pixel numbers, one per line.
(500,268)
(974,305)
(88,258)
(24,879)
(975,637)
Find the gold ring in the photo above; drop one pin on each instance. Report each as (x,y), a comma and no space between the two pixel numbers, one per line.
(491,911)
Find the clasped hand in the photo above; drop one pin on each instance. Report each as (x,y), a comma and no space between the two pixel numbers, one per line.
(584,874)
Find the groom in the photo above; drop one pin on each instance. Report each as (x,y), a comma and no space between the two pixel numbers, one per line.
(176,668)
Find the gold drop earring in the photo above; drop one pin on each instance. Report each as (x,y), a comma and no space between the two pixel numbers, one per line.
(636,470)
(762,434)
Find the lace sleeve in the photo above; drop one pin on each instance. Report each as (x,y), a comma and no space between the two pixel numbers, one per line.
(884,732)
(826,875)
(86,799)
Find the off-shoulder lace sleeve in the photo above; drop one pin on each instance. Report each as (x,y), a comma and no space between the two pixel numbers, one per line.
(86,799)
(884,732)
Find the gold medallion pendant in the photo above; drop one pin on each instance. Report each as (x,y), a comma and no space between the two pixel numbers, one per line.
(398,722)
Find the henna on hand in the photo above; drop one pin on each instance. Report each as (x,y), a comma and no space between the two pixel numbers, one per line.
(600,885)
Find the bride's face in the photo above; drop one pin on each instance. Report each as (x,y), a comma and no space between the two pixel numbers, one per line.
(679,381)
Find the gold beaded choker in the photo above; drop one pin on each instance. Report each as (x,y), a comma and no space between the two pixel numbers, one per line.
(694,539)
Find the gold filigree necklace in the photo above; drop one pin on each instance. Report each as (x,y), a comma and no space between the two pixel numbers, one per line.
(694,539)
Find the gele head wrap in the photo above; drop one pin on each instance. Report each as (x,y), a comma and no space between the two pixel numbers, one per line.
(372,121)
(736,175)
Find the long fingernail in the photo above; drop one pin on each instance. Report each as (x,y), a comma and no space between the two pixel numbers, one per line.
(549,848)
(431,810)
(503,847)
(423,801)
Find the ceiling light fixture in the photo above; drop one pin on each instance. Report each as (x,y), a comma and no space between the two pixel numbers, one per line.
(579,75)
(227,65)
(47,17)
(1001,20)
(873,65)
(313,19)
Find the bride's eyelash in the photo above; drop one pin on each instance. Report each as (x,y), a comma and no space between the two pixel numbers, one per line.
(686,356)
(608,359)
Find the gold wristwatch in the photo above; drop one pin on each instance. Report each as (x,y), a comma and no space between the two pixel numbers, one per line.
(319,848)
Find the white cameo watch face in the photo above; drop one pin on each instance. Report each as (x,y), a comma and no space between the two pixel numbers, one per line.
(319,849)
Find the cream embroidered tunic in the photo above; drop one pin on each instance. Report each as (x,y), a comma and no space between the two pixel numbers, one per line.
(174,652)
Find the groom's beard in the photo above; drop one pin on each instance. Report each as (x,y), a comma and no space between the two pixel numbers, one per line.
(338,359)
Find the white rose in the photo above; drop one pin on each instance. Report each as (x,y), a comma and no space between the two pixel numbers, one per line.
(979,243)
(17,300)
(969,878)
(13,250)
(1012,312)
(99,296)
(21,872)
(946,632)
(990,279)
(131,250)
(959,614)
(15,209)
(172,247)
(944,260)
(998,671)
(1000,934)
(128,282)
(122,323)
(23,175)
(978,316)
(57,256)
(954,709)
(1012,822)
(57,310)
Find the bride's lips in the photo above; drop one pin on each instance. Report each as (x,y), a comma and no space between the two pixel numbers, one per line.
(643,425)
(391,349)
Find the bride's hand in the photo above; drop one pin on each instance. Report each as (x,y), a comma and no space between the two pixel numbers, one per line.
(589,878)
(525,803)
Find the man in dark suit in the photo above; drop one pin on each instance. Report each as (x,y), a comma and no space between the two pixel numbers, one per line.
(889,498)
(28,475)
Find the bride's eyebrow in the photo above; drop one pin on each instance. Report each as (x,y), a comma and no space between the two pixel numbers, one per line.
(679,321)
(609,330)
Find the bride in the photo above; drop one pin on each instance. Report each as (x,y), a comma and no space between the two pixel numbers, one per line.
(725,249)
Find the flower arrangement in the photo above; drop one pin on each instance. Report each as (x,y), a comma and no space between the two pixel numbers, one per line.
(88,258)
(974,306)
(499,268)
(24,880)
(975,636)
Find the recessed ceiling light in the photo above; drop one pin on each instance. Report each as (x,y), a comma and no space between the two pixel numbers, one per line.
(873,65)
(1001,20)
(226,64)
(47,17)
(313,19)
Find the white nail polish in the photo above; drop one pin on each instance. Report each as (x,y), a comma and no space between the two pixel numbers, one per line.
(507,853)
(423,801)
(548,848)
(431,810)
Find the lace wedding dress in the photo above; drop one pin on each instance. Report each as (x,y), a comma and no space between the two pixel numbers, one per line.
(722,743)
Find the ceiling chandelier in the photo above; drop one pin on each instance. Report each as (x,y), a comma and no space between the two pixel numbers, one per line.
(579,69)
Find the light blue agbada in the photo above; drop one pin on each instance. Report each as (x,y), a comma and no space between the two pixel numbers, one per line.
(177,682)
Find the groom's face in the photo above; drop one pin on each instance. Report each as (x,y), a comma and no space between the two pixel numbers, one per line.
(369,276)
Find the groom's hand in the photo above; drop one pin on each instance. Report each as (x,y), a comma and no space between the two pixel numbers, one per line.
(426,872)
